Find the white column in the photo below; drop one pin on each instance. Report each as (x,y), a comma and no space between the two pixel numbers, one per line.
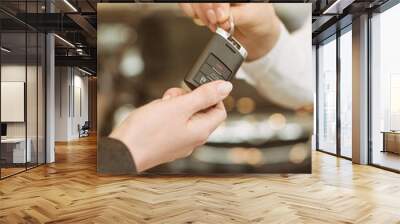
(50,99)
(50,92)
(360,90)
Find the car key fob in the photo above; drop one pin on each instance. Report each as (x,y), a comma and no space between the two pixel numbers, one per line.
(220,60)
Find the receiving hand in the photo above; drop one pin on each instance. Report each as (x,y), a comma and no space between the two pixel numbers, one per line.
(172,127)
(257,27)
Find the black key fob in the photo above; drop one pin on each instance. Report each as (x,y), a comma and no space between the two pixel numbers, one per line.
(220,60)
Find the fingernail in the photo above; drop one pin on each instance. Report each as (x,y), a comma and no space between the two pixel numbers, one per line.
(224,88)
(212,18)
(166,97)
(226,26)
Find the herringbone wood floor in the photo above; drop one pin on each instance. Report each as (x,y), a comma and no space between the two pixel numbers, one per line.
(70,191)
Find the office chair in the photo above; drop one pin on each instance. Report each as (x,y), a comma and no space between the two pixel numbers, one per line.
(84,130)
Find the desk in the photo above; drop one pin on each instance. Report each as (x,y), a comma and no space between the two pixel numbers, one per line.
(13,150)
(391,141)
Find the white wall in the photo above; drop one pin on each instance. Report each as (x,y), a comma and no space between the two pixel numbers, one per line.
(71,94)
(81,84)
(12,73)
(16,73)
(62,81)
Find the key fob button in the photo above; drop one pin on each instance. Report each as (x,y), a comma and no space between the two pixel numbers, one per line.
(214,76)
(220,67)
(209,71)
(206,69)
(202,78)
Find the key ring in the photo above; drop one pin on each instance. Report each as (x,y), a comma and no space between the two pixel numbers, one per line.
(232,24)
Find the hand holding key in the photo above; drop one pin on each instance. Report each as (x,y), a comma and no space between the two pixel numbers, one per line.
(172,127)
(257,27)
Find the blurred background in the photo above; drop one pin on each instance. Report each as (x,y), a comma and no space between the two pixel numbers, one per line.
(144,49)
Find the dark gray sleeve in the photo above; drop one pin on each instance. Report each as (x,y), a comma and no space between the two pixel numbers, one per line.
(113,157)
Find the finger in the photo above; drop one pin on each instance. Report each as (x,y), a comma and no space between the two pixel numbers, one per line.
(226,25)
(200,13)
(205,96)
(173,92)
(187,9)
(222,11)
(210,119)
(208,10)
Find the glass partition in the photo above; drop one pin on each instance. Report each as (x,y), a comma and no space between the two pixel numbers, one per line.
(14,153)
(22,91)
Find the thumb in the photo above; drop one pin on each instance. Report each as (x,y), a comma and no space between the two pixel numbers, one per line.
(206,96)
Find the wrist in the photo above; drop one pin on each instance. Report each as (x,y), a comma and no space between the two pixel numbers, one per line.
(265,42)
(139,156)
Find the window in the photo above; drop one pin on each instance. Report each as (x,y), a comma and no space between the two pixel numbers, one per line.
(385,89)
(327,96)
(394,102)
(346,94)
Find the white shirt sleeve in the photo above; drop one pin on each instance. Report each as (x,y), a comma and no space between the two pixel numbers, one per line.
(284,75)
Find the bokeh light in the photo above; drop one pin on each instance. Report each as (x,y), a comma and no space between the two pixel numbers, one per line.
(229,103)
(277,121)
(291,131)
(107,38)
(238,155)
(254,156)
(245,105)
(132,63)
(298,153)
